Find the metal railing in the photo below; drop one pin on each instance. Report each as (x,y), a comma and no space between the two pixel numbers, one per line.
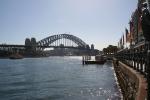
(135,57)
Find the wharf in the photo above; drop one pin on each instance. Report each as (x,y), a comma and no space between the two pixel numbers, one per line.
(87,60)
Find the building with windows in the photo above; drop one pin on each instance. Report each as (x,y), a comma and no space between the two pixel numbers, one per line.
(135,23)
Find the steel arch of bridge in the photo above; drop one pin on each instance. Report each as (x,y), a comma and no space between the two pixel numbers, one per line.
(49,40)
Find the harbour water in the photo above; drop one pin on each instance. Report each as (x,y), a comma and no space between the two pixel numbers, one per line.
(56,78)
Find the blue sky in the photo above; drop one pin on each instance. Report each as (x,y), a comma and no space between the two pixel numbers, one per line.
(101,22)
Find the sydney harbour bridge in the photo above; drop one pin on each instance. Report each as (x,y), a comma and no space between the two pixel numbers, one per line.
(58,42)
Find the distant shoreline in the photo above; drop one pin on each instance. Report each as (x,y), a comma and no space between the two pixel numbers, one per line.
(39,56)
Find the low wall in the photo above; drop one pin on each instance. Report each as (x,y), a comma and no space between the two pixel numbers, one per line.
(132,83)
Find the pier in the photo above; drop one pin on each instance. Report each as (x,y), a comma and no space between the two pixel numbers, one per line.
(98,59)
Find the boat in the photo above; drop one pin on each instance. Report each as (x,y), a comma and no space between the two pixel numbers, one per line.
(16,56)
(100,58)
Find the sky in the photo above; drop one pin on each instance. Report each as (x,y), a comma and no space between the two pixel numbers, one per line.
(98,22)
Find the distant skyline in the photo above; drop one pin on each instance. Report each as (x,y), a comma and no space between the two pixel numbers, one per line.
(98,22)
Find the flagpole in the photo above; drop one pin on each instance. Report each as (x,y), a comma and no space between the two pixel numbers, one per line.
(123,40)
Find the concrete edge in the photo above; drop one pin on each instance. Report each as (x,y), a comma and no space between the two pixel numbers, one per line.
(142,86)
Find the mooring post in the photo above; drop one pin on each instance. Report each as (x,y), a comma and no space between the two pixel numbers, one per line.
(83,60)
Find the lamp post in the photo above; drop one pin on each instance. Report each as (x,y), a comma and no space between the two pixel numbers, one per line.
(146,33)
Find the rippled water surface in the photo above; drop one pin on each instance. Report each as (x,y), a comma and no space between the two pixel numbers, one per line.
(56,78)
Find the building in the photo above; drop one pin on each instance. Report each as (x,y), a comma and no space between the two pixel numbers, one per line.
(135,23)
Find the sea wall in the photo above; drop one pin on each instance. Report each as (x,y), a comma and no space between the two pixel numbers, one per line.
(133,85)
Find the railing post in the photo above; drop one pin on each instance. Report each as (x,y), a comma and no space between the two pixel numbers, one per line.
(134,63)
(137,60)
(145,59)
(141,61)
(148,71)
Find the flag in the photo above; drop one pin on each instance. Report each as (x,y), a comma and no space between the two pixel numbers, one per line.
(123,39)
(127,35)
(121,42)
(118,44)
(131,32)
(139,20)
